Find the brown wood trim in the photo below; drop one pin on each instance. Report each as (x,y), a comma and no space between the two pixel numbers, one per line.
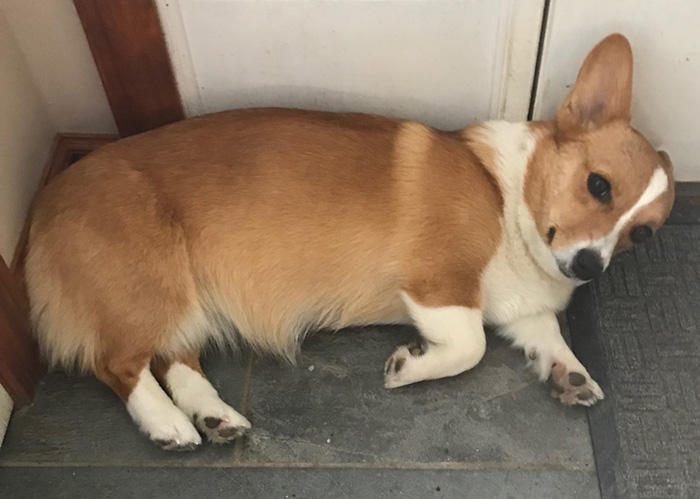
(20,367)
(20,364)
(128,45)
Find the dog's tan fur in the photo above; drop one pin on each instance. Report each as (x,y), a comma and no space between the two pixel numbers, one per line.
(264,224)
(277,220)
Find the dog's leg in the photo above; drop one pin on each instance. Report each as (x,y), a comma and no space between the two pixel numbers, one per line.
(147,403)
(539,336)
(196,397)
(453,342)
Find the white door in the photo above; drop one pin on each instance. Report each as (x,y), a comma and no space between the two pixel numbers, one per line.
(447,63)
(665,37)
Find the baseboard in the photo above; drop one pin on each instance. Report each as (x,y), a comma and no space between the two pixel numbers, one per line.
(688,192)
(686,209)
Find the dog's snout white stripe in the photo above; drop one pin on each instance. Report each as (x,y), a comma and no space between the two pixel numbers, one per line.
(657,186)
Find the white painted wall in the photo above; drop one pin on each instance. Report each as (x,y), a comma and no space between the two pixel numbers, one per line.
(447,63)
(26,133)
(52,41)
(665,39)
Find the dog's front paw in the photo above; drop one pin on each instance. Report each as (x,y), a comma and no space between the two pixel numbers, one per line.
(402,367)
(573,387)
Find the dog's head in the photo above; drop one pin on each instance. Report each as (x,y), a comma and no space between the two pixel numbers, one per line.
(595,185)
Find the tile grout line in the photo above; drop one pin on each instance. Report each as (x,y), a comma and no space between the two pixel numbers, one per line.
(248,379)
(488,466)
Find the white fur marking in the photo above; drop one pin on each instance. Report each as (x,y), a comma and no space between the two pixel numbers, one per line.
(539,336)
(445,325)
(195,395)
(157,416)
(456,343)
(540,333)
(657,186)
(606,244)
(514,144)
(514,284)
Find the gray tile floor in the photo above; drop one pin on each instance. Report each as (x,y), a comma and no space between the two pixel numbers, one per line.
(637,329)
(324,428)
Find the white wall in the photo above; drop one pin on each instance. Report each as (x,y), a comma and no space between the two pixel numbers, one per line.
(52,41)
(26,133)
(665,37)
(447,63)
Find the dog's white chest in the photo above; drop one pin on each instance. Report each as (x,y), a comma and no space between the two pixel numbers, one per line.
(514,287)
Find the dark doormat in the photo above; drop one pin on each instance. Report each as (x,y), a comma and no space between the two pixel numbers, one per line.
(637,330)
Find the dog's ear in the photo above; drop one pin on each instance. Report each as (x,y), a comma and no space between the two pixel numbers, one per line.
(666,161)
(603,89)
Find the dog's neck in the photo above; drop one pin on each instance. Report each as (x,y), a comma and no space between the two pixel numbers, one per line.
(505,149)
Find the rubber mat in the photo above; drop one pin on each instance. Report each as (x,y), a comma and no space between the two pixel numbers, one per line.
(637,330)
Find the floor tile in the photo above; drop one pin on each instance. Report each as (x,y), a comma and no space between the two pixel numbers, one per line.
(333,408)
(203,483)
(79,420)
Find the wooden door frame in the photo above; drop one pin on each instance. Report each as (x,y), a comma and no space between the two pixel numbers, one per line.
(127,43)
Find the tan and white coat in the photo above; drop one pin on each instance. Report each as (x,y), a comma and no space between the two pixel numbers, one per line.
(258,226)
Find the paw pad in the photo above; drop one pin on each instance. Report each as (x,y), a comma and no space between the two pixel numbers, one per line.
(573,387)
(224,429)
(397,366)
(576,379)
(211,422)
(232,432)
(416,350)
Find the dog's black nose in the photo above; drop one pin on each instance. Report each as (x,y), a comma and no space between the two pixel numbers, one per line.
(587,265)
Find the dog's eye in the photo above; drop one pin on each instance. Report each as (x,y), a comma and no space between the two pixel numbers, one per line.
(640,234)
(599,188)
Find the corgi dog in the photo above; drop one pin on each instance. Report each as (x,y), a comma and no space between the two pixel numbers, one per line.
(257,226)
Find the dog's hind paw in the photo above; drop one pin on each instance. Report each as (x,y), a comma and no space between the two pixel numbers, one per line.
(222,425)
(175,434)
(402,367)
